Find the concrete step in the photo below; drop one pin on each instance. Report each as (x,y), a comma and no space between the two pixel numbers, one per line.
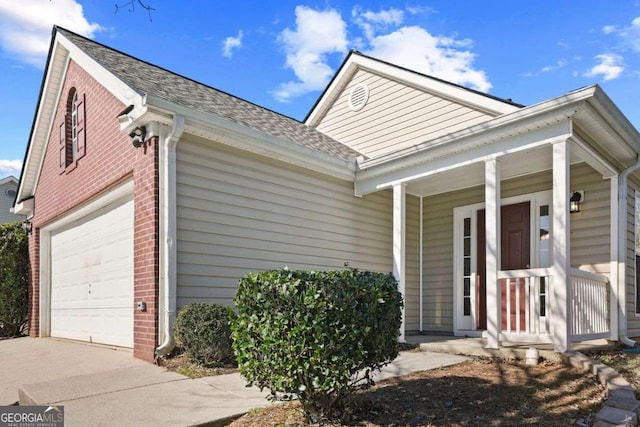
(476,347)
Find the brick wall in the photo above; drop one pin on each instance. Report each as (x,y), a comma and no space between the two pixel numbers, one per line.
(109,160)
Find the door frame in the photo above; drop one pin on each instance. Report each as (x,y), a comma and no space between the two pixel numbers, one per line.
(466,325)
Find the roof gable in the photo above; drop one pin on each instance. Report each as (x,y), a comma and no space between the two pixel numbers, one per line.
(390,115)
(356,62)
(153,81)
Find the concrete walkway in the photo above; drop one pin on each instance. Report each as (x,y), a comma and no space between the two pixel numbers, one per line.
(101,386)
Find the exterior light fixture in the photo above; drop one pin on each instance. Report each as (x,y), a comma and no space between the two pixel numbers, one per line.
(123,116)
(576,199)
(27,226)
(138,136)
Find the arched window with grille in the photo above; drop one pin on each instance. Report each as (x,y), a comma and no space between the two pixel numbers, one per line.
(72,131)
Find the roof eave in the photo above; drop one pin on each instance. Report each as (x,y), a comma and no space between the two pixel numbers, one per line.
(615,119)
(243,137)
(34,153)
(61,51)
(499,128)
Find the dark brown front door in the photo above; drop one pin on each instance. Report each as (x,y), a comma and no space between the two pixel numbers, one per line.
(515,255)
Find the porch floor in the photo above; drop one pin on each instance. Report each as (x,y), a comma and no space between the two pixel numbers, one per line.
(476,347)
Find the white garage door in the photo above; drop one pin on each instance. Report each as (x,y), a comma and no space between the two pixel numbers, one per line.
(92,277)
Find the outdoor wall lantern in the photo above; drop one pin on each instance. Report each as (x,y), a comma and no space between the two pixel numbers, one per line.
(27,226)
(577,197)
(138,136)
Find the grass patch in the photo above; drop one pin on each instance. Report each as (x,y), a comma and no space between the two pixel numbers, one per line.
(181,364)
(406,346)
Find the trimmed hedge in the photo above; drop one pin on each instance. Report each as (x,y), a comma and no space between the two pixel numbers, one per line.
(14,280)
(204,333)
(318,335)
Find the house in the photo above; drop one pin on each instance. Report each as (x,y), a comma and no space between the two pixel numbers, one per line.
(8,189)
(147,191)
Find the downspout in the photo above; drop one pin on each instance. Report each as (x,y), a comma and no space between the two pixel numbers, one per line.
(622,253)
(421,266)
(168,226)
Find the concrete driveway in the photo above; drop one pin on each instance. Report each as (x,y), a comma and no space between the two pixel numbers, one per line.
(102,386)
(34,360)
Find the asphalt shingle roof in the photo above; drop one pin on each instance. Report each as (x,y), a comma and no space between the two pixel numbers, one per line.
(152,80)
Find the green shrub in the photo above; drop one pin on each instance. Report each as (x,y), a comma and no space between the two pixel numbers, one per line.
(14,280)
(318,335)
(204,333)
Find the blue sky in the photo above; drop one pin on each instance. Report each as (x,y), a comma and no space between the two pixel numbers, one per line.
(282,54)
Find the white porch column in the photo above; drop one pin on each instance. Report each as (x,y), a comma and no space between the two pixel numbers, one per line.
(399,244)
(492,236)
(560,304)
(614,275)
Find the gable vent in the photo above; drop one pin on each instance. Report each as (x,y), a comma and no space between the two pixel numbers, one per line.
(358,97)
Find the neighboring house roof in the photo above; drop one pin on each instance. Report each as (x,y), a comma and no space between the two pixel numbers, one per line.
(8,179)
(150,79)
(357,61)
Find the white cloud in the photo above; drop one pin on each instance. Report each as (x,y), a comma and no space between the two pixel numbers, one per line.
(610,67)
(370,21)
(443,57)
(317,34)
(10,167)
(25,26)
(559,64)
(420,10)
(630,34)
(547,68)
(379,34)
(231,43)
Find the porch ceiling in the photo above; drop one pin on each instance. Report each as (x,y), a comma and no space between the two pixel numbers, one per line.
(512,165)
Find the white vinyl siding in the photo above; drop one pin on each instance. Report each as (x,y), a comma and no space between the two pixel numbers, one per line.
(6,202)
(589,235)
(590,228)
(633,319)
(239,212)
(396,116)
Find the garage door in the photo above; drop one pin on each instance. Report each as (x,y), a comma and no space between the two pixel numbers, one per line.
(92,277)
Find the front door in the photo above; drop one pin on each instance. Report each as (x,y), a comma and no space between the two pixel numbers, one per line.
(515,255)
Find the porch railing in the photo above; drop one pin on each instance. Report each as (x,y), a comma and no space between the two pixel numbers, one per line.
(526,301)
(588,295)
(526,304)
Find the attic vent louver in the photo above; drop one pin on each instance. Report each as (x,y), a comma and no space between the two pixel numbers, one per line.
(358,97)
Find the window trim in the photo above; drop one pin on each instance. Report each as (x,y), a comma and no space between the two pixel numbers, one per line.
(74,126)
(72,132)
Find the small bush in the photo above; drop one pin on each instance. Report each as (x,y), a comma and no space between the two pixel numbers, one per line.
(14,280)
(318,335)
(204,333)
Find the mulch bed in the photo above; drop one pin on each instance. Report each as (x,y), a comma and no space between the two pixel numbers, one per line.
(479,392)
